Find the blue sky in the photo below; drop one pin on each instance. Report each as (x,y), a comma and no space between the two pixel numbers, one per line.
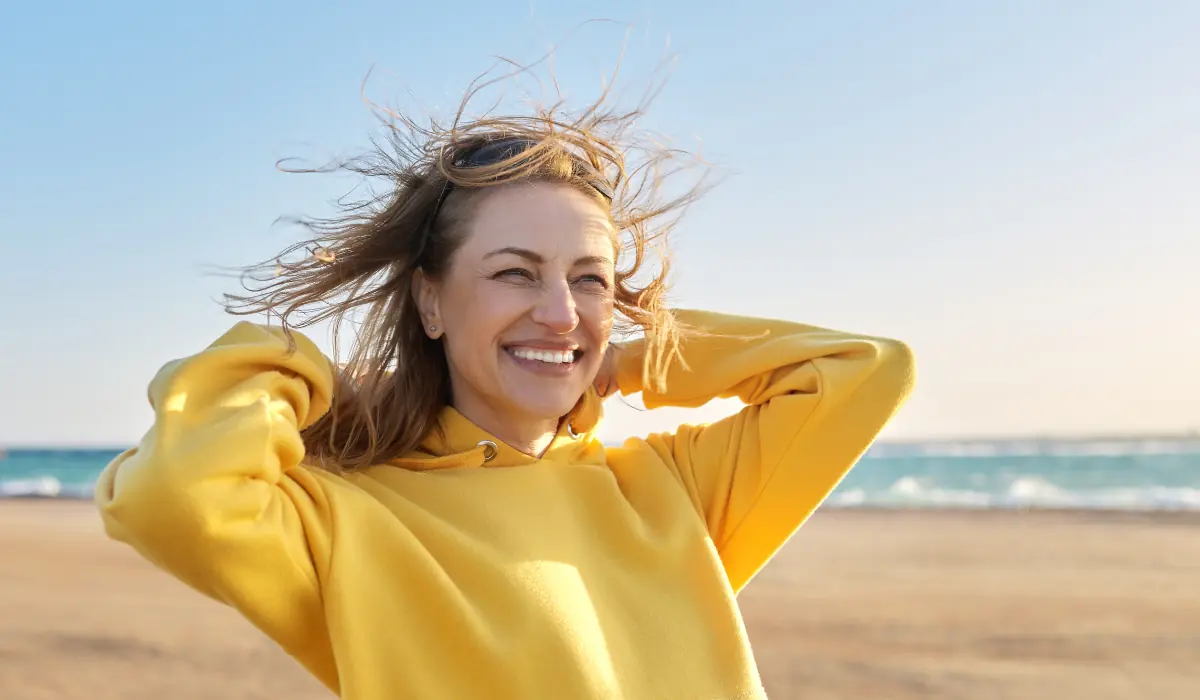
(1010,187)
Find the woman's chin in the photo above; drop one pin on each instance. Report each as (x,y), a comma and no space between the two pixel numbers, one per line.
(548,406)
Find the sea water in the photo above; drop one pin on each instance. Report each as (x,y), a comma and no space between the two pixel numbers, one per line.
(1125,474)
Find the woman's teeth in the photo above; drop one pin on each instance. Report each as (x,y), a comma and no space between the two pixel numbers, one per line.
(555,357)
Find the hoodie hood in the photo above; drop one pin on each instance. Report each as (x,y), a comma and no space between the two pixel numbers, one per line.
(461,444)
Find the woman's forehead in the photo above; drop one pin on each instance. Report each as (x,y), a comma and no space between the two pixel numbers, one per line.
(549,219)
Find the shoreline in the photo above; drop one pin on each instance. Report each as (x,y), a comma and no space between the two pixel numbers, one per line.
(1187,515)
(889,603)
(1187,434)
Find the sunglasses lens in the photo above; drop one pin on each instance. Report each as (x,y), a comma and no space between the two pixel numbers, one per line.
(496,152)
(504,149)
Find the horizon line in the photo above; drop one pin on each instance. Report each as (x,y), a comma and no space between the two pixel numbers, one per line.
(1192,434)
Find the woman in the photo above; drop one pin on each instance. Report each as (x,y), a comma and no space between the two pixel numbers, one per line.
(438,518)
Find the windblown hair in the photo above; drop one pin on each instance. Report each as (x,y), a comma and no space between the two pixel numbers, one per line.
(359,265)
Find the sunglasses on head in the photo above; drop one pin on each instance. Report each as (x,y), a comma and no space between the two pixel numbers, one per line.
(500,150)
(491,153)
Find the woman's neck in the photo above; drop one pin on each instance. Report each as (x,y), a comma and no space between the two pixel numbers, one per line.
(531,436)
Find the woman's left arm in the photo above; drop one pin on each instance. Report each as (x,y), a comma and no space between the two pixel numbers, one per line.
(816,399)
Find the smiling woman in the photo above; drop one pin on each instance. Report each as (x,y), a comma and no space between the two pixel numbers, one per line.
(546,183)
(526,309)
(436,517)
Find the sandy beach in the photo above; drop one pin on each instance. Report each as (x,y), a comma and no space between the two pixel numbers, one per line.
(862,604)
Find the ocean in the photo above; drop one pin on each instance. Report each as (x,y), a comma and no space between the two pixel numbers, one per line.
(1124,474)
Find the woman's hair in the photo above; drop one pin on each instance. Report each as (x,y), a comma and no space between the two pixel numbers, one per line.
(359,265)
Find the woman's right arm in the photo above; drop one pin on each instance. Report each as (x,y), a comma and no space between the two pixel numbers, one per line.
(214,494)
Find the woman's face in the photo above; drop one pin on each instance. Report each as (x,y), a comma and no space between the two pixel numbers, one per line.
(525,307)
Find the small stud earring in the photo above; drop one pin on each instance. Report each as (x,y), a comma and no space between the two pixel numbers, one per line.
(433,329)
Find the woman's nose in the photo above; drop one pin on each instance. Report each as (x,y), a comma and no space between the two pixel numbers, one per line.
(556,308)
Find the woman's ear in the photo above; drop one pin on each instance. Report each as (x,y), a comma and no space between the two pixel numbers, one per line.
(425,294)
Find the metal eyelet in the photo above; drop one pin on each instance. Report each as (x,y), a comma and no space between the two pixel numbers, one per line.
(489,450)
(571,431)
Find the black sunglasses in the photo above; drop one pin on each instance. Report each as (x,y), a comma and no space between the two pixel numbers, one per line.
(498,151)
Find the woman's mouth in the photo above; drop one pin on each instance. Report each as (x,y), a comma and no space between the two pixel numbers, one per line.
(555,357)
(544,360)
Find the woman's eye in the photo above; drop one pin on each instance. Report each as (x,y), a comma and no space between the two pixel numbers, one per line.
(515,272)
(598,279)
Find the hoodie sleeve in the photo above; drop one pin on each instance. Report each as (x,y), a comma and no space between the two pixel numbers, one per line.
(816,399)
(214,494)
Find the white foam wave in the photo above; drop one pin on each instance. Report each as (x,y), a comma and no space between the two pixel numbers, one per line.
(1033,448)
(42,487)
(1023,492)
(923,491)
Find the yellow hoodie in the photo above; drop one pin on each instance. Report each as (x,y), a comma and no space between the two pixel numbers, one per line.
(590,572)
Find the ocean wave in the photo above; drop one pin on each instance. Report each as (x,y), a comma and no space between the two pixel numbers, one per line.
(1027,492)
(1035,448)
(1023,492)
(44,487)
(1144,475)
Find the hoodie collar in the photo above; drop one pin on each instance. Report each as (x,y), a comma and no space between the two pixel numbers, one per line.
(462,444)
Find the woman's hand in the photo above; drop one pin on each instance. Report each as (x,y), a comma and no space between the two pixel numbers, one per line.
(606,379)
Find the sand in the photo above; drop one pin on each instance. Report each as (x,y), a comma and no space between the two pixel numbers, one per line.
(862,604)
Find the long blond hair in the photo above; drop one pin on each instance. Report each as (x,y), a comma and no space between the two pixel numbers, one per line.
(395,382)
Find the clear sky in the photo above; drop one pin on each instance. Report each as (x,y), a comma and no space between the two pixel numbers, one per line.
(1013,188)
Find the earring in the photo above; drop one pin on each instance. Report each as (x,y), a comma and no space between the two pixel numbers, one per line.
(433,329)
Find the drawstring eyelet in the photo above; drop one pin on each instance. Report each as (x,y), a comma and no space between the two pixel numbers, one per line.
(489,450)
(571,431)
